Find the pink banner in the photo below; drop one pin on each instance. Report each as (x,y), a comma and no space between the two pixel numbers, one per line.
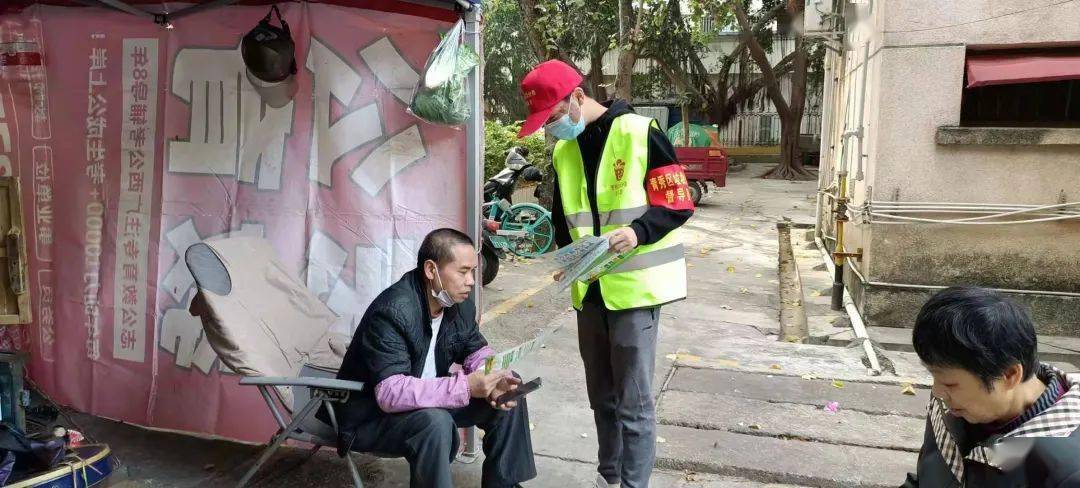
(135,141)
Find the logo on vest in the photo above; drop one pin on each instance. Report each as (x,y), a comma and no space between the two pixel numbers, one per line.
(620,171)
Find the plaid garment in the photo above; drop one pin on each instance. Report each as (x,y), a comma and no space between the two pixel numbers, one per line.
(1059,420)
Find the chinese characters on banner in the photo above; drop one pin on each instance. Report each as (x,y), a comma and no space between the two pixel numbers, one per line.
(174,146)
(136,193)
(96,122)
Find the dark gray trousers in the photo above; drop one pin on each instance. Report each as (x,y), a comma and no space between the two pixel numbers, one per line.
(619,352)
(429,440)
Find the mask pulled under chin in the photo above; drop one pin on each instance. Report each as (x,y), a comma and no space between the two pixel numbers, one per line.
(442,297)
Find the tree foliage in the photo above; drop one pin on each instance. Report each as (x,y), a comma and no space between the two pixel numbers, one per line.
(674,35)
(501,137)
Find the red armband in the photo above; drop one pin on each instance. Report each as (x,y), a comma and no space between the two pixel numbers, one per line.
(667,187)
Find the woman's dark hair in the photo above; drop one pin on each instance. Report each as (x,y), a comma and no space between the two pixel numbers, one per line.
(976,330)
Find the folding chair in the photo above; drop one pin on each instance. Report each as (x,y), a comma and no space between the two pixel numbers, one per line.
(266,326)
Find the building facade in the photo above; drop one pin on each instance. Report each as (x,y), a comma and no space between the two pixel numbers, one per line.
(956,171)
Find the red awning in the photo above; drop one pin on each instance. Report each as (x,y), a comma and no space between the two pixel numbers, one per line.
(1008,69)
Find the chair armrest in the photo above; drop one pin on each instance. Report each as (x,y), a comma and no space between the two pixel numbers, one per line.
(318,383)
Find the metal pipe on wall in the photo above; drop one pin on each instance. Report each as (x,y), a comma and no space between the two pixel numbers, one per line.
(862,111)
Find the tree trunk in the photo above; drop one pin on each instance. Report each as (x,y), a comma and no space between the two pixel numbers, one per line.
(628,53)
(528,13)
(791,163)
(596,68)
(790,167)
(624,76)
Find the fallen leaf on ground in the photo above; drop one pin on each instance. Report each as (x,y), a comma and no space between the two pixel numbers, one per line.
(660,440)
(744,291)
(815,293)
(755,426)
(838,384)
(689,265)
(809,377)
(532,426)
(775,282)
(684,357)
(775,366)
(730,269)
(757,275)
(908,389)
(530,304)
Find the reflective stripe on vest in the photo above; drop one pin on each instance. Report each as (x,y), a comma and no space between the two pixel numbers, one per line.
(614,217)
(656,273)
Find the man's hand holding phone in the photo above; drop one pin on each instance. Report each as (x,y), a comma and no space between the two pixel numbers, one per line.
(508,384)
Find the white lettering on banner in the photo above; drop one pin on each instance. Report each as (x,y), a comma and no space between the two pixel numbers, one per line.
(390,158)
(231,131)
(140,76)
(332,76)
(396,74)
(96,111)
(5,141)
(43,202)
(182,334)
(376,269)
(45,318)
(325,261)
(41,128)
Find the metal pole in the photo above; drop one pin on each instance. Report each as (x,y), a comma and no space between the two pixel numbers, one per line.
(841,217)
(474,136)
(474,172)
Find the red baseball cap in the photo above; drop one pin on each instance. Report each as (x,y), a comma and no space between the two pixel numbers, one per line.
(544,87)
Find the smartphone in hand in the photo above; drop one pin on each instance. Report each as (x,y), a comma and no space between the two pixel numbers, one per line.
(522,390)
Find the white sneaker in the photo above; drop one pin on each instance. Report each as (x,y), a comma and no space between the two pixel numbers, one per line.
(602,483)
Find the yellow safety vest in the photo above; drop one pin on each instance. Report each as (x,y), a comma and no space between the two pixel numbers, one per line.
(656,273)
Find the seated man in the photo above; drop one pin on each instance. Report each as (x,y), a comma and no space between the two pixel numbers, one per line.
(403,349)
(997,416)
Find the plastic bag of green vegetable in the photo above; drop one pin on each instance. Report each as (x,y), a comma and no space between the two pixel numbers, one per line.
(441,96)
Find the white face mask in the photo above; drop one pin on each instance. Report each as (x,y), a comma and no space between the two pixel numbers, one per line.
(442,297)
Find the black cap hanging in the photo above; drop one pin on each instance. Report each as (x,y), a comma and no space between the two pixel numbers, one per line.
(269,56)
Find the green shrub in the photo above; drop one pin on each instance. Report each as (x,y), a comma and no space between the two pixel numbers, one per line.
(501,137)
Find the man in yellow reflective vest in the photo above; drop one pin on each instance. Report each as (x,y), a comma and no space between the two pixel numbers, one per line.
(616,176)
